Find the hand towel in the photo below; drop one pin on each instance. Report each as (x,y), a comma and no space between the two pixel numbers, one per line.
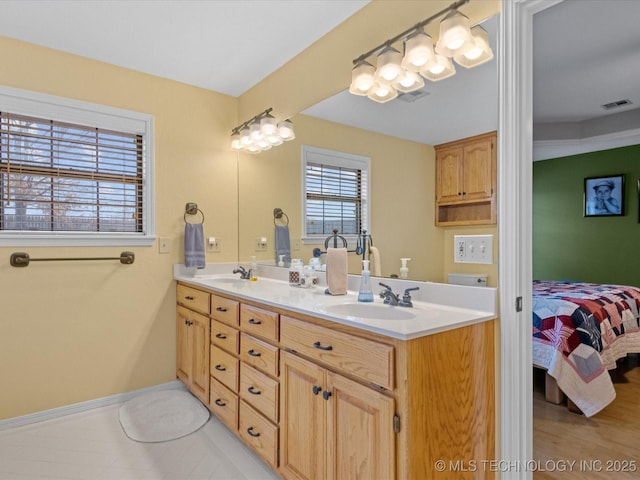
(374,262)
(337,267)
(283,244)
(194,245)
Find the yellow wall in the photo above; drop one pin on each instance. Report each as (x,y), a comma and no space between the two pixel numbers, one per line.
(402,196)
(71,332)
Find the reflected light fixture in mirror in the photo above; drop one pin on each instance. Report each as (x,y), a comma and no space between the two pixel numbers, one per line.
(261,133)
(395,72)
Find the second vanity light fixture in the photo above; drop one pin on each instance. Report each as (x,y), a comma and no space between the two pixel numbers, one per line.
(261,133)
(394,72)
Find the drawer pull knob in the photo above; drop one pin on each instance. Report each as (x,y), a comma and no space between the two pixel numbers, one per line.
(319,345)
(220,403)
(221,309)
(326,394)
(188,297)
(220,368)
(316,389)
(253,353)
(255,322)
(252,433)
(221,336)
(253,391)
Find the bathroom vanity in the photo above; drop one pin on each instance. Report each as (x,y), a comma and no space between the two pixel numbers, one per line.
(325,387)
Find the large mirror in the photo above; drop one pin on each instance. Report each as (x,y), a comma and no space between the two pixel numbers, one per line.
(399,138)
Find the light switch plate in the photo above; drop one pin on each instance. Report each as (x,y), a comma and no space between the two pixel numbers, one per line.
(473,249)
(164,245)
(213,244)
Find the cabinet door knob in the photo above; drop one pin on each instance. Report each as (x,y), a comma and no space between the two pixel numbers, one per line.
(326,394)
(252,433)
(221,309)
(253,353)
(253,391)
(321,347)
(316,389)
(221,336)
(220,368)
(255,322)
(220,403)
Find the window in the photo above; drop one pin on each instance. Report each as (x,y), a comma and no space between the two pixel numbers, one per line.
(77,176)
(335,193)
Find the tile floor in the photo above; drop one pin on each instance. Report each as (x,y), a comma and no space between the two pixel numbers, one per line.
(92,446)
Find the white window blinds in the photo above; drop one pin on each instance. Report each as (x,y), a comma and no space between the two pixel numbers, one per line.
(64,177)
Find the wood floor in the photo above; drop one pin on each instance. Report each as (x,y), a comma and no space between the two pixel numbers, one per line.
(605,446)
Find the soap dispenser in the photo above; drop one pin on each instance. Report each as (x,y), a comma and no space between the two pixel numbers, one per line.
(404,270)
(366,293)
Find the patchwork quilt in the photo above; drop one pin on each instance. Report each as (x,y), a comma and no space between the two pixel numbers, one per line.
(579,331)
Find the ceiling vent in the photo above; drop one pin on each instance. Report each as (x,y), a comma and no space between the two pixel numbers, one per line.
(619,103)
(411,97)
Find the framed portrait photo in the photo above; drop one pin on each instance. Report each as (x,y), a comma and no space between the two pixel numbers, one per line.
(604,196)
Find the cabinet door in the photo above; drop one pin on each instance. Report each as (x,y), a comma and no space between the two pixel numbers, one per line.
(200,351)
(183,362)
(449,175)
(478,170)
(302,419)
(361,440)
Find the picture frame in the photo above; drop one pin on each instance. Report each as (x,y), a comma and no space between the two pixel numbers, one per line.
(604,196)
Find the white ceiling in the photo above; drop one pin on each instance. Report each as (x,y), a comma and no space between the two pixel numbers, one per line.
(586,53)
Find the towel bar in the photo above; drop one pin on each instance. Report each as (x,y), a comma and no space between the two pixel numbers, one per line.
(22,259)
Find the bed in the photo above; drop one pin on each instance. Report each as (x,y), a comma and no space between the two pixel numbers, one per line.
(579,331)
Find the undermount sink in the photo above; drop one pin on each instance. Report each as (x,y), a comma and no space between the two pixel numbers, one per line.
(223,278)
(376,311)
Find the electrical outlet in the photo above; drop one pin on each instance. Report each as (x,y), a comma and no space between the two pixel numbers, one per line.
(164,245)
(213,244)
(460,249)
(261,244)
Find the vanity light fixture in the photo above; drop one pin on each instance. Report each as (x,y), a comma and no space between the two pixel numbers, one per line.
(468,46)
(261,133)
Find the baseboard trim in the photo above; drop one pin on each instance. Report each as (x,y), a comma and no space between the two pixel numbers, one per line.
(84,406)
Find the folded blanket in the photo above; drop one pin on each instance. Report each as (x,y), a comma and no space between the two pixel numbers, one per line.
(194,245)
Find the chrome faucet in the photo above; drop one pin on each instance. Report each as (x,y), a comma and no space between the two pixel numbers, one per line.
(244,273)
(392,299)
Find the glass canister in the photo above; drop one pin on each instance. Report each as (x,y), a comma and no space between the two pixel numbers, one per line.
(295,272)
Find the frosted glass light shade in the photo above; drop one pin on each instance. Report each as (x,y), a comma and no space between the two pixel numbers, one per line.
(408,82)
(382,92)
(235,142)
(245,138)
(268,125)
(480,53)
(388,64)
(285,130)
(254,132)
(455,35)
(440,69)
(362,78)
(418,51)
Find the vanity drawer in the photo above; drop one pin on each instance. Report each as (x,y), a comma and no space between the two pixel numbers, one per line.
(257,321)
(259,433)
(366,359)
(193,298)
(224,404)
(224,310)
(259,354)
(260,391)
(224,367)
(225,337)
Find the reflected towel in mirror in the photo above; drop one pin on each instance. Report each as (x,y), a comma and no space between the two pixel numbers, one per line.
(194,245)
(283,244)
(374,262)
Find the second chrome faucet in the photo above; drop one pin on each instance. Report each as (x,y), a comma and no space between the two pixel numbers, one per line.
(391,298)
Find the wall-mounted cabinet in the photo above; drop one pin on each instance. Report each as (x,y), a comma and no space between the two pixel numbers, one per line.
(466,181)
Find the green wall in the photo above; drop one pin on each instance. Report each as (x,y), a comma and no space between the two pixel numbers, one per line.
(567,245)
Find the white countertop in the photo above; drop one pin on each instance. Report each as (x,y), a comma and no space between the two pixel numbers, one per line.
(424,318)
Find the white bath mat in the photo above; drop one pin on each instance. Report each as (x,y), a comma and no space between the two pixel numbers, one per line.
(162,416)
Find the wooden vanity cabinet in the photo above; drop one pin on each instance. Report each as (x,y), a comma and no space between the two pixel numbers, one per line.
(466,181)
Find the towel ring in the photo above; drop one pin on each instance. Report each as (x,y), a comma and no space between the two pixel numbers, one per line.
(278,214)
(192,209)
